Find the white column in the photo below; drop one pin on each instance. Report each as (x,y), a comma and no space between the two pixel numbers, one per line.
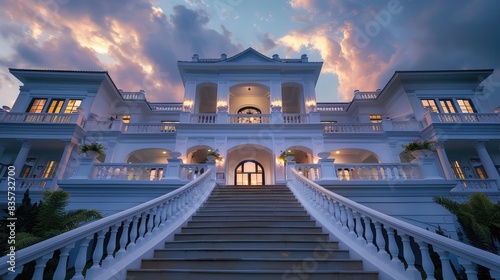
(275,91)
(445,162)
(485,158)
(63,163)
(110,151)
(22,156)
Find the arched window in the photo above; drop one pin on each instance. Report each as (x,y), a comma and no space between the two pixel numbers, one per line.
(249,172)
(249,111)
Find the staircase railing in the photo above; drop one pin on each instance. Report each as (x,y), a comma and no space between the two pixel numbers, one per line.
(112,244)
(385,242)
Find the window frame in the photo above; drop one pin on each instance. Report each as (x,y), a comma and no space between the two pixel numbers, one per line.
(73,107)
(32,104)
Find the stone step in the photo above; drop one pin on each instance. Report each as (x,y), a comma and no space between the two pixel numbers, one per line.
(190,274)
(252,204)
(245,263)
(251,199)
(250,229)
(217,253)
(273,236)
(238,223)
(251,244)
(251,218)
(253,212)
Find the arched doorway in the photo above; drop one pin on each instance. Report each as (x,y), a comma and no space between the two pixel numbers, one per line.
(249,110)
(249,172)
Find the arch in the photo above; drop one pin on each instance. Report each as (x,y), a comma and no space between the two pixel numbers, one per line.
(355,155)
(302,154)
(148,155)
(242,152)
(249,94)
(249,172)
(197,154)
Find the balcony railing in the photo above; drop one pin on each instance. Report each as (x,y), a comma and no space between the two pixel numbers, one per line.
(129,172)
(295,118)
(332,107)
(76,118)
(477,185)
(431,117)
(377,171)
(203,118)
(147,128)
(353,128)
(249,118)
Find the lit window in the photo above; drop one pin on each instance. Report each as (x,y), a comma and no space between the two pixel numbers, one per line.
(481,172)
(447,106)
(55,106)
(126,118)
(37,106)
(73,104)
(50,169)
(430,103)
(457,170)
(376,118)
(466,106)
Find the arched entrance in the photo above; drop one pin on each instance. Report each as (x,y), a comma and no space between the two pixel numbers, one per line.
(249,172)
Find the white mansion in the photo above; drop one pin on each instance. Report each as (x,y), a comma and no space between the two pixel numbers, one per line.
(252,110)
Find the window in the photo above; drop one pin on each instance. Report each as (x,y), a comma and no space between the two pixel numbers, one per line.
(457,170)
(466,106)
(376,118)
(447,106)
(431,104)
(126,118)
(249,111)
(37,105)
(55,106)
(481,173)
(73,104)
(50,169)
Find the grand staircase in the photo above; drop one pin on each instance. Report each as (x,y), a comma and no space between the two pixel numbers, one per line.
(251,232)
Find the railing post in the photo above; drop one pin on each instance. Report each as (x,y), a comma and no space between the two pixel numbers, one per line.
(428,166)
(173,169)
(85,169)
(328,171)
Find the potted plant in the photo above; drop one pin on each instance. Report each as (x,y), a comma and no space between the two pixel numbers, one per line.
(93,149)
(286,156)
(213,155)
(419,148)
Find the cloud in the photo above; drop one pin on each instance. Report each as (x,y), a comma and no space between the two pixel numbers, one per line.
(267,42)
(140,49)
(363,44)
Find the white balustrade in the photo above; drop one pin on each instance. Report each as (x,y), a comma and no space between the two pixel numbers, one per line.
(131,172)
(192,171)
(203,118)
(295,118)
(44,118)
(377,171)
(34,183)
(408,245)
(353,128)
(406,126)
(331,107)
(310,171)
(148,128)
(249,118)
(166,107)
(88,243)
(477,185)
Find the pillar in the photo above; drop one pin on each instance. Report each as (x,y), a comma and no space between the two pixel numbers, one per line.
(444,161)
(486,160)
(63,163)
(328,171)
(22,156)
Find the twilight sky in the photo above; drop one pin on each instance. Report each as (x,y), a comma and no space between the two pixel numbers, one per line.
(138,42)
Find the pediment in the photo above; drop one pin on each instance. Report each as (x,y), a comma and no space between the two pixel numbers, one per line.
(250,56)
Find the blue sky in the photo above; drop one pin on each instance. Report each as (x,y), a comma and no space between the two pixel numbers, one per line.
(361,42)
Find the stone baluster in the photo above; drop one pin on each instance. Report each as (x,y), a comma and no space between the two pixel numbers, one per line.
(60,272)
(133,232)
(350,223)
(40,266)
(445,264)
(338,214)
(150,223)
(112,244)
(427,264)
(97,256)
(470,268)
(81,258)
(393,249)
(410,258)
(343,218)
(369,235)
(142,228)
(379,238)
(359,229)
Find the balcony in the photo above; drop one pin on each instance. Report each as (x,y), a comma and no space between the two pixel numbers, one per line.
(35,118)
(432,118)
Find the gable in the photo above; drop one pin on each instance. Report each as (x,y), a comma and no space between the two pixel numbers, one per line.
(250,56)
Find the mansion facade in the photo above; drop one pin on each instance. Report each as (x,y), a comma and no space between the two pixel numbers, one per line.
(250,109)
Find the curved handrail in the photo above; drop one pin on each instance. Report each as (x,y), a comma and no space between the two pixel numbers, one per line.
(348,215)
(161,211)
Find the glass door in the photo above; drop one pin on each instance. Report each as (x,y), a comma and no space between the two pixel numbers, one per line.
(248,173)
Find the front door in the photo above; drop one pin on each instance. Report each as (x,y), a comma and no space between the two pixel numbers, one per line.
(249,172)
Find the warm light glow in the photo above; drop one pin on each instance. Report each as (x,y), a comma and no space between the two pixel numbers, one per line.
(164,152)
(188,104)
(276,103)
(337,152)
(311,103)
(221,103)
